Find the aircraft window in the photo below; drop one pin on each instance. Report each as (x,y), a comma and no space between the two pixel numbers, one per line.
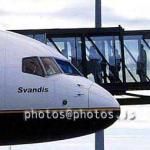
(50,66)
(31,65)
(67,67)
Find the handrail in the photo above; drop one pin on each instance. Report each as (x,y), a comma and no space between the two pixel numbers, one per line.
(130,74)
(50,39)
(146,43)
(130,53)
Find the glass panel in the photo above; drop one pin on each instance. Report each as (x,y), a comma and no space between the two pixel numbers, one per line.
(146,47)
(137,54)
(67,67)
(40,37)
(50,66)
(104,59)
(71,49)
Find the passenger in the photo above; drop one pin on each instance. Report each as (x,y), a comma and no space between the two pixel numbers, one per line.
(142,64)
(118,63)
(95,64)
(101,46)
(103,70)
(74,57)
(79,59)
(114,68)
(65,53)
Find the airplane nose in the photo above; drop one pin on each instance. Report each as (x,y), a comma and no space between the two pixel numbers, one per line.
(100,98)
(105,105)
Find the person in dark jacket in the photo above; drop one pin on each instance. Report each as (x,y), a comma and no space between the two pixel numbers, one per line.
(142,64)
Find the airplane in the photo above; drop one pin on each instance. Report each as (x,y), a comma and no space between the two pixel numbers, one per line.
(36,81)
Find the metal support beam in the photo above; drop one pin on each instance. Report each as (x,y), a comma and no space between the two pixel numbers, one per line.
(98,16)
(99,136)
(99,140)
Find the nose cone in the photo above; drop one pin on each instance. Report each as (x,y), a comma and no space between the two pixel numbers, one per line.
(100,98)
(105,105)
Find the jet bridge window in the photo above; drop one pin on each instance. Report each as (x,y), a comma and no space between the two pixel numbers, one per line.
(32,65)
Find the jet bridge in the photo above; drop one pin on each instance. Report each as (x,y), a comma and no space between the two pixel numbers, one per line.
(116,59)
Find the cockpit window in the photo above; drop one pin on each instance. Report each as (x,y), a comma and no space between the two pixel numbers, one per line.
(32,65)
(50,66)
(46,66)
(67,67)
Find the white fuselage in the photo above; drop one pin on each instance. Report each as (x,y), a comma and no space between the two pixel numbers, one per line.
(21,90)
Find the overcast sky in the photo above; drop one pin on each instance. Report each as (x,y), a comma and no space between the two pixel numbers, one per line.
(131,14)
(25,14)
